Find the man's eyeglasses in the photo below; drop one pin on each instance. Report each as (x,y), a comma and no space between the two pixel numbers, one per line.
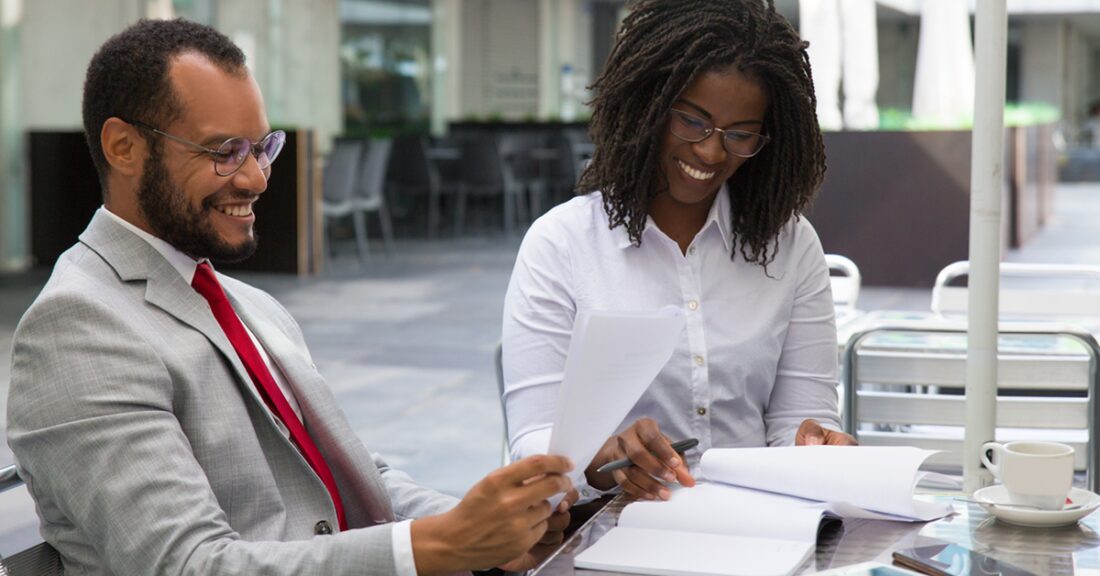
(691,128)
(231,154)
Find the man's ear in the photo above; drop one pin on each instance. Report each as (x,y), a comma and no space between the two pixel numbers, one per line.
(124,149)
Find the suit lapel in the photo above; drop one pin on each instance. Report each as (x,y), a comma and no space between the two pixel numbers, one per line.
(135,260)
(350,464)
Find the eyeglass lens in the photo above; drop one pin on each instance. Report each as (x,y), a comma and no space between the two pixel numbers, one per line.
(694,129)
(233,152)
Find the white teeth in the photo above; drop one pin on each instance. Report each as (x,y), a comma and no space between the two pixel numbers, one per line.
(239,211)
(696,174)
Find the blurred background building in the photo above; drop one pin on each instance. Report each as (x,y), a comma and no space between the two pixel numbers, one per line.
(385,67)
(412,90)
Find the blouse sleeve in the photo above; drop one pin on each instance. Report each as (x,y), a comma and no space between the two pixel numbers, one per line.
(806,377)
(539,310)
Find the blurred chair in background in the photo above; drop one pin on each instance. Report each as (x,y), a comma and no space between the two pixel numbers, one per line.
(1047,292)
(371,193)
(341,178)
(522,172)
(419,182)
(482,175)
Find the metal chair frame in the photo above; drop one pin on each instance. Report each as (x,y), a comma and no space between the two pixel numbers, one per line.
(1078,334)
(38,560)
(498,360)
(952,300)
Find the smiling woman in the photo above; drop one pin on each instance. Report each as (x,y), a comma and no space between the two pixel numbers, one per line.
(707,149)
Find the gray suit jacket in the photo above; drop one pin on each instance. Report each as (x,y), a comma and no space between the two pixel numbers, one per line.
(145,444)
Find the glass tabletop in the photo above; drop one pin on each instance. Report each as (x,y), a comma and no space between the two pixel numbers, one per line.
(1055,551)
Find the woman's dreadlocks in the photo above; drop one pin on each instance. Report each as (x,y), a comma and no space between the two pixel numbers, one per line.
(662,47)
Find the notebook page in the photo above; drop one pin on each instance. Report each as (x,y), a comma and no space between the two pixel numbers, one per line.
(668,553)
(877,478)
(725,509)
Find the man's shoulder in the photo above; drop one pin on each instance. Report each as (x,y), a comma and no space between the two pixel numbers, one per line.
(81,279)
(79,271)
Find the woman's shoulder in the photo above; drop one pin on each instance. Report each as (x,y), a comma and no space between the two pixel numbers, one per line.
(798,232)
(578,216)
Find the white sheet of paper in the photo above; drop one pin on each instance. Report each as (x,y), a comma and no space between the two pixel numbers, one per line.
(667,553)
(613,358)
(875,478)
(726,509)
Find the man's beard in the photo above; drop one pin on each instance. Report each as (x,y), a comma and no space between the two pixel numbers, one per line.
(175,221)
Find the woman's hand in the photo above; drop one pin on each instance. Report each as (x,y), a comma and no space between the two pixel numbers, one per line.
(655,462)
(810,433)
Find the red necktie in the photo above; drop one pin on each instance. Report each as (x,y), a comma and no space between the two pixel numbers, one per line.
(206,284)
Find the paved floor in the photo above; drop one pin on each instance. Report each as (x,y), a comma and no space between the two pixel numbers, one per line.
(407,344)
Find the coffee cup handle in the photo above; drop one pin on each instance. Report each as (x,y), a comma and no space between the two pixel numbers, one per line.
(998,452)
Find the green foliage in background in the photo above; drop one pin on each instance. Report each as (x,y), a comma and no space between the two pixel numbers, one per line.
(1016,114)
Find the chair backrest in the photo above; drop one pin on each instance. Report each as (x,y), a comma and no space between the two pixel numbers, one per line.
(38,560)
(409,168)
(498,360)
(845,280)
(515,154)
(372,179)
(580,148)
(904,385)
(1062,291)
(481,168)
(342,171)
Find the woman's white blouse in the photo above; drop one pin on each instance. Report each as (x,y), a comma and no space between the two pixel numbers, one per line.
(758,354)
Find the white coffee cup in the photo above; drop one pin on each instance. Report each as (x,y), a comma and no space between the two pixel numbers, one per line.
(1033,473)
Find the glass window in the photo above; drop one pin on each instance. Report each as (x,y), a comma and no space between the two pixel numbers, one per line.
(385,73)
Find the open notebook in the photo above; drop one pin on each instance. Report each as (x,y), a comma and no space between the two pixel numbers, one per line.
(758,510)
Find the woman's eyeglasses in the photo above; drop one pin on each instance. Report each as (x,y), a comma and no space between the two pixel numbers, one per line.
(231,154)
(691,128)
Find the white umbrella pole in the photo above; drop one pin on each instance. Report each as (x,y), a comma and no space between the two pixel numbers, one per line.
(986,181)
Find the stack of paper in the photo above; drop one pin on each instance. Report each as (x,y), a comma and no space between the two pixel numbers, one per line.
(613,357)
(759,510)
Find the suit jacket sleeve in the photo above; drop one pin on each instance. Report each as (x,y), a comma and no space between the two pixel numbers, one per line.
(92,425)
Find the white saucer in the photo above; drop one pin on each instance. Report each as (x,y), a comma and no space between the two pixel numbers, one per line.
(990,496)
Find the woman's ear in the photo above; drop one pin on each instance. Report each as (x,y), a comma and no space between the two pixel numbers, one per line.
(124,149)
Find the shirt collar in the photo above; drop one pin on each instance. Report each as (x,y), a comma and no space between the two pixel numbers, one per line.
(719,215)
(183,263)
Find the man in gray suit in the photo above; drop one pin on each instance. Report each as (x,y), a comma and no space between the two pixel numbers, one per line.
(168,419)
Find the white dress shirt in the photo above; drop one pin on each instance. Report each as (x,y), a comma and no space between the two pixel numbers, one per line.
(757,356)
(186,266)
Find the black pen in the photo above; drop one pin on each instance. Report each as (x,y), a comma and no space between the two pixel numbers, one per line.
(680,447)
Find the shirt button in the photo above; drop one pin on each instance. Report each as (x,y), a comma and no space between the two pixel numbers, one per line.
(701,411)
(691,250)
(322,528)
(698,360)
(693,305)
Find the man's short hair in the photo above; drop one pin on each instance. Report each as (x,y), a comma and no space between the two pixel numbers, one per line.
(128,77)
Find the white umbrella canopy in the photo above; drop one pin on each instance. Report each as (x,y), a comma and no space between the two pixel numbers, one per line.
(943,90)
(819,24)
(860,30)
(843,37)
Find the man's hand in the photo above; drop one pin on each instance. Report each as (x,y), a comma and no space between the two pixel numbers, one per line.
(554,536)
(810,433)
(499,520)
(654,462)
